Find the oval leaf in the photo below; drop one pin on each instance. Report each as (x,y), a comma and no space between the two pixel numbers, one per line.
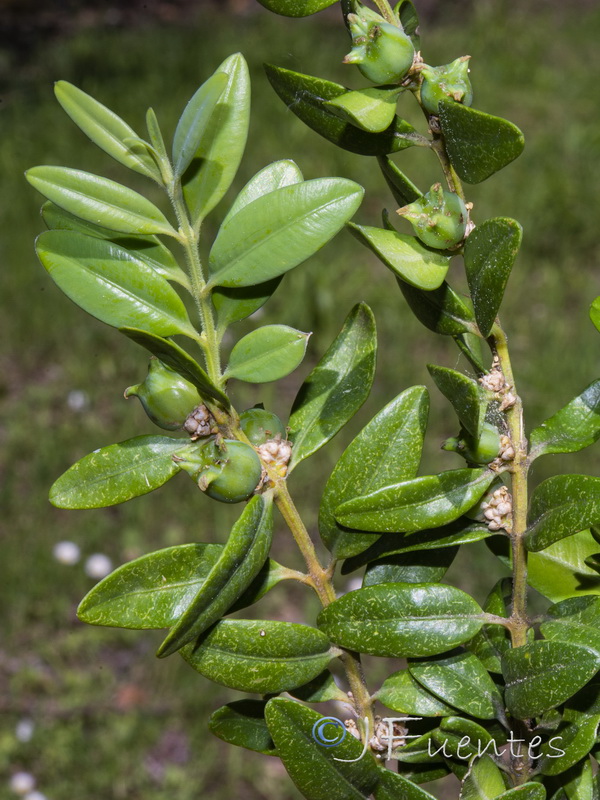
(222,143)
(154,590)
(280,230)
(388,449)
(574,427)
(466,395)
(119,472)
(426,502)
(403,189)
(561,506)
(413,567)
(528,791)
(441,310)
(243,723)
(259,655)
(336,388)
(195,120)
(313,767)
(111,284)
(239,563)
(392,786)
(105,129)
(267,354)
(405,256)
(483,780)
(178,359)
(402,619)
(402,693)
(371,109)
(489,253)
(296,8)
(478,144)
(99,200)
(307,96)
(273,176)
(544,674)
(462,681)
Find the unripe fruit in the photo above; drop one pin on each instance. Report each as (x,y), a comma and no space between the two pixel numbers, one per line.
(482,451)
(228,471)
(382,52)
(260,425)
(449,82)
(167,398)
(438,218)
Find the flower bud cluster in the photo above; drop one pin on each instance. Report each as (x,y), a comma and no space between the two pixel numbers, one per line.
(498,511)
(495,382)
(276,454)
(200,423)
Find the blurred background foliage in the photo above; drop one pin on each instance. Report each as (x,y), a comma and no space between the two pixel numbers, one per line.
(109,720)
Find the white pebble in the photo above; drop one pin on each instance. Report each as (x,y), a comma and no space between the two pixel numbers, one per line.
(24,730)
(66,553)
(98,566)
(22,783)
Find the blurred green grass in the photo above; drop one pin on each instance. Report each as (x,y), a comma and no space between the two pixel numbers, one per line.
(110,720)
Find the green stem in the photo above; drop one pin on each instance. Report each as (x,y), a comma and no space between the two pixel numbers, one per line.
(192,255)
(321,579)
(452,179)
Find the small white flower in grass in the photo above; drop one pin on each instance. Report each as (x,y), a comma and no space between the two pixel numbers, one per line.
(67,553)
(24,730)
(98,566)
(22,783)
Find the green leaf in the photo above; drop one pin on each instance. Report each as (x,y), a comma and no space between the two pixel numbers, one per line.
(99,200)
(409,19)
(336,388)
(403,189)
(222,144)
(178,359)
(239,563)
(234,305)
(316,769)
(119,472)
(544,674)
(195,120)
(296,8)
(575,739)
(560,506)
(463,738)
(575,620)
(273,176)
(111,284)
(559,571)
(371,109)
(595,313)
(493,640)
(105,129)
(489,253)
(426,502)
(321,689)
(243,723)
(483,781)
(402,693)
(280,230)
(461,531)
(402,619)
(415,567)
(441,310)
(478,144)
(307,96)
(466,395)
(388,449)
(574,427)
(528,791)
(462,681)
(149,249)
(405,256)
(580,783)
(392,786)
(259,655)
(267,354)
(152,591)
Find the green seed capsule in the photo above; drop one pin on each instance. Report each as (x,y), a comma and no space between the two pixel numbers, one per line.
(382,52)
(450,81)
(438,218)
(486,449)
(167,398)
(228,471)
(260,426)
